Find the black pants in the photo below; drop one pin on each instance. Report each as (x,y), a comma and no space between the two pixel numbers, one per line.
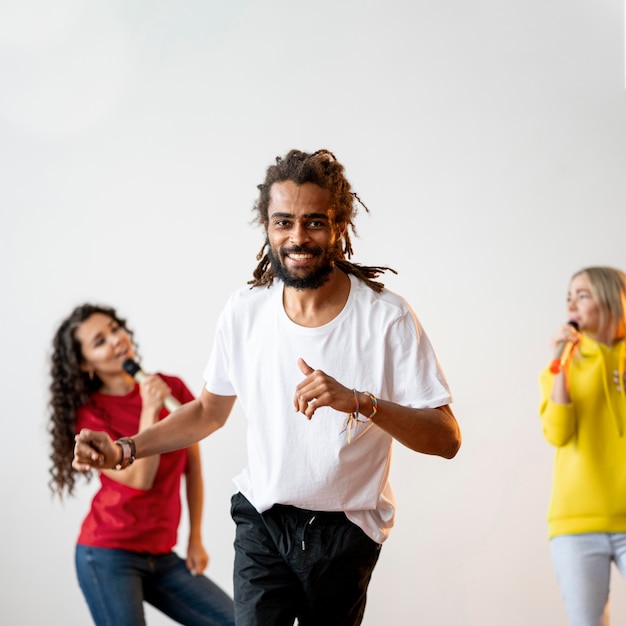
(292,563)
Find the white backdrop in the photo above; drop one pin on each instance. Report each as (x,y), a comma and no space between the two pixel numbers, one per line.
(488,139)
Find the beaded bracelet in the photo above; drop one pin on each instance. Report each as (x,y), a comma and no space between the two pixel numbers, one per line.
(374,401)
(354,417)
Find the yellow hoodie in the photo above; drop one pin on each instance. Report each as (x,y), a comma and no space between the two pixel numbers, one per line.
(589,477)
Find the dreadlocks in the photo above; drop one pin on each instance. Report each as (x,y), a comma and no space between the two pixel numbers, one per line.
(322,169)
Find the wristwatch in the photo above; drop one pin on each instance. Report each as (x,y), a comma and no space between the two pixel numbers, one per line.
(127,446)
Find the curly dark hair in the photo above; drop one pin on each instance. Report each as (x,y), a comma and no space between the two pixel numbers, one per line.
(323,169)
(70,388)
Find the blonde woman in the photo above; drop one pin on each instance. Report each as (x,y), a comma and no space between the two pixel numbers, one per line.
(583,415)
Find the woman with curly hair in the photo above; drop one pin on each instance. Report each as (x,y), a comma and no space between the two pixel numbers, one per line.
(124,552)
(583,415)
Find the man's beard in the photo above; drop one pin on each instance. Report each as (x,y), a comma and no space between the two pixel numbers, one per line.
(314,279)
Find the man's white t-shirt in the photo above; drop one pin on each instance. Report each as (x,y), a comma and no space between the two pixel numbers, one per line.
(375,344)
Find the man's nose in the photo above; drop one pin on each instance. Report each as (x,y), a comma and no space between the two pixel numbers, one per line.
(299,234)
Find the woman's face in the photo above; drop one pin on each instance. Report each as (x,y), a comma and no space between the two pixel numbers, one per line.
(104,344)
(582,307)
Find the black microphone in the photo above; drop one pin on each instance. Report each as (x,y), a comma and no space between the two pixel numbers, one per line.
(563,350)
(132,367)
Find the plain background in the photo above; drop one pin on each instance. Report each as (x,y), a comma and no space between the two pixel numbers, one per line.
(488,140)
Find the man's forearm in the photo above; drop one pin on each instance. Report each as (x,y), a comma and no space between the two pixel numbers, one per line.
(187,425)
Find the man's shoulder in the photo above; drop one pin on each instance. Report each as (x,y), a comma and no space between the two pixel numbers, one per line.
(254,293)
(386,297)
(245,299)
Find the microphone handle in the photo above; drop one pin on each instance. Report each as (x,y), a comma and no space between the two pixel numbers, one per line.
(170,403)
(562,355)
(563,351)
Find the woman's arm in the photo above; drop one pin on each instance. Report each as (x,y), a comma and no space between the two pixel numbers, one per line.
(556,410)
(141,474)
(560,388)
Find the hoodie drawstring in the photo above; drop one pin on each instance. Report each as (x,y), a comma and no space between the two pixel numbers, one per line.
(620,388)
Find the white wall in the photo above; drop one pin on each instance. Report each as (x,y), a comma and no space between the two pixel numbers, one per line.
(489,141)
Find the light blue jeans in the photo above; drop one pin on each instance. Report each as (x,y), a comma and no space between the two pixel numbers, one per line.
(116,583)
(583,570)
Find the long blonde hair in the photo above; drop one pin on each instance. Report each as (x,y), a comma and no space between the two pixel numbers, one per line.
(608,287)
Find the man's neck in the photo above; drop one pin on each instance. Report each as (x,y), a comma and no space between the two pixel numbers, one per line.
(316,307)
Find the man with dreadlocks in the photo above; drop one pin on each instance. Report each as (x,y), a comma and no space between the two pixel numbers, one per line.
(330,368)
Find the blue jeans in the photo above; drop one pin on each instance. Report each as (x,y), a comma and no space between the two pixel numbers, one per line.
(583,569)
(116,583)
(292,563)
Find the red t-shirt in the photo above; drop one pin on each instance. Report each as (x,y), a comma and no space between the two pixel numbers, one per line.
(122,517)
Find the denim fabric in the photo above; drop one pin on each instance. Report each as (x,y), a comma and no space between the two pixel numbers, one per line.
(115,584)
(292,563)
(583,569)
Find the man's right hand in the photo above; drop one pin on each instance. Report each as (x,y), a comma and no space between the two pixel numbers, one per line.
(94,450)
